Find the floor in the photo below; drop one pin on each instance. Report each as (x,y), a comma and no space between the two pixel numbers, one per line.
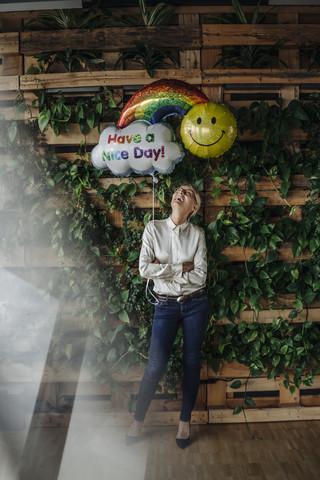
(278,451)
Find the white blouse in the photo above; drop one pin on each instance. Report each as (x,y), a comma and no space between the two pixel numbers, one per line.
(173,245)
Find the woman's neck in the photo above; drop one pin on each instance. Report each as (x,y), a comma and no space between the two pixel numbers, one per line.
(177,218)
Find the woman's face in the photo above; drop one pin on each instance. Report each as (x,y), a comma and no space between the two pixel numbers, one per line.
(184,200)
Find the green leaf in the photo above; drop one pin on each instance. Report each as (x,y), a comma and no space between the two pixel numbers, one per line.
(97,332)
(298,304)
(12,131)
(249,401)
(133,255)
(124,295)
(90,120)
(236,384)
(58,177)
(123,316)
(216,363)
(242,326)
(237,410)
(43,119)
(234,305)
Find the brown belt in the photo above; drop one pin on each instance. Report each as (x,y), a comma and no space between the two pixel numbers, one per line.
(181,298)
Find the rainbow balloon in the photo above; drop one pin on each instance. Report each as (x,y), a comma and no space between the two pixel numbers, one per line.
(207,130)
(160,99)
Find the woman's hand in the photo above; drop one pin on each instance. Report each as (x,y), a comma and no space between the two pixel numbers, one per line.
(187,267)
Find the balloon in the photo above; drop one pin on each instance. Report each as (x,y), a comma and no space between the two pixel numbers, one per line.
(208,130)
(140,147)
(160,99)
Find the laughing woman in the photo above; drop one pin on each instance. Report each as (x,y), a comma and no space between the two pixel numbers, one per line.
(174,256)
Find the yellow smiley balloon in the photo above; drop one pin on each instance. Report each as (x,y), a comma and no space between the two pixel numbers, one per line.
(208,129)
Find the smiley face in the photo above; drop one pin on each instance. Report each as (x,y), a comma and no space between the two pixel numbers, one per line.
(208,129)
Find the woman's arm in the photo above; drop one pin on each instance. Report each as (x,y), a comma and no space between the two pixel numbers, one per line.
(149,265)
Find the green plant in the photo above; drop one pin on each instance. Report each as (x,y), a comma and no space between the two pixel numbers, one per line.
(247,56)
(72,60)
(103,282)
(147,56)
(58,111)
(239,16)
(311,51)
(160,14)
(94,17)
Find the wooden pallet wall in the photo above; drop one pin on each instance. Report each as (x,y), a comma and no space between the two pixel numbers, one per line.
(200,42)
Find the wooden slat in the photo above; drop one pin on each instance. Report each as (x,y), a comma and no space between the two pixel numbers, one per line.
(263,184)
(258,34)
(105,78)
(109,39)
(9,43)
(265,415)
(236,254)
(293,197)
(266,316)
(11,65)
(9,83)
(286,77)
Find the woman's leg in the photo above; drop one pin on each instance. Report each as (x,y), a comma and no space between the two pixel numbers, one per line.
(195,319)
(166,322)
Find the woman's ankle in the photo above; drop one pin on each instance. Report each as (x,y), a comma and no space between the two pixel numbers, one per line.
(183,430)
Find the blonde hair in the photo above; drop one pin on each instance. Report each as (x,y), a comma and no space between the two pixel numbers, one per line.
(197,197)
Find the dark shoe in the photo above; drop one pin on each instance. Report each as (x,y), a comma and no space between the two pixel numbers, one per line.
(183,442)
(131,440)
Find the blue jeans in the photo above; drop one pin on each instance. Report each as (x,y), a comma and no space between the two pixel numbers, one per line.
(193,315)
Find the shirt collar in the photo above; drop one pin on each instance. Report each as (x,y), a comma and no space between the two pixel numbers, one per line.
(179,228)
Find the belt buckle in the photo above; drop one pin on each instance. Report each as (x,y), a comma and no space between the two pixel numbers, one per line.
(180,299)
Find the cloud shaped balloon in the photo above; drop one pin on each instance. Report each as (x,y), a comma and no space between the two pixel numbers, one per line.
(140,147)
(144,144)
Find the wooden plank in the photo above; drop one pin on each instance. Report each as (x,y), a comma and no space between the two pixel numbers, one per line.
(285,396)
(290,56)
(218,35)
(263,184)
(216,394)
(293,197)
(110,39)
(189,58)
(105,78)
(236,253)
(229,370)
(260,384)
(266,316)
(265,415)
(11,65)
(286,77)
(9,43)
(104,419)
(9,83)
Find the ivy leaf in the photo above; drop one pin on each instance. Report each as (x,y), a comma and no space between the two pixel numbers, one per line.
(298,304)
(249,401)
(58,177)
(131,190)
(43,119)
(90,120)
(12,131)
(237,410)
(97,333)
(123,316)
(133,255)
(242,326)
(124,295)
(216,363)
(112,355)
(236,384)
(234,305)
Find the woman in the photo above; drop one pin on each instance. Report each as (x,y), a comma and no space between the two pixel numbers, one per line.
(174,256)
